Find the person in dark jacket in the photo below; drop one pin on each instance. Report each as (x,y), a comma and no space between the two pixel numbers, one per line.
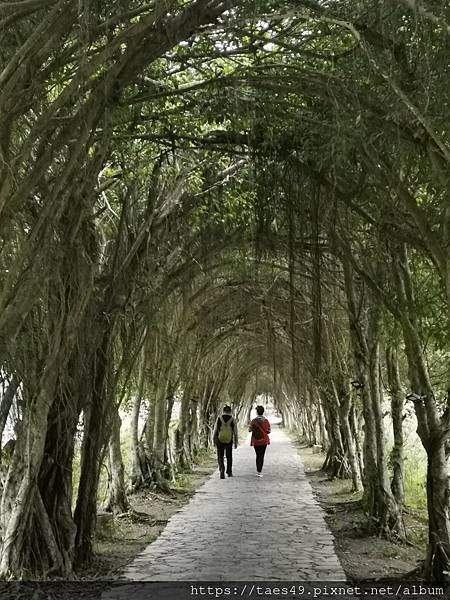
(224,437)
(260,428)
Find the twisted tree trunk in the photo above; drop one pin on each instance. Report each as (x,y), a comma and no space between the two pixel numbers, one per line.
(387,510)
(336,464)
(55,488)
(345,406)
(95,434)
(364,336)
(433,428)
(20,491)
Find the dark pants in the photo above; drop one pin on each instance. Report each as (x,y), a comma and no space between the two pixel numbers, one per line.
(260,451)
(225,449)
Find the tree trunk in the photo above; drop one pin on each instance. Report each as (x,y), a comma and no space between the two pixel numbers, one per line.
(95,430)
(170,464)
(6,403)
(356,426)
(159,471)
(437,557)
(308,425)
(397,399)
(364,337)
(206,423)
(181,445)
(55,482)
(344,413)
(447,257)
(19,492)
(433,429)
(323,432)
(336,464)
(148,435)
(117,501)
(387,510)
(194,429)
(137,477)
(183,459)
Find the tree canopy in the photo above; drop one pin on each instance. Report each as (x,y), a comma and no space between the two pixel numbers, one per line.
(205,201)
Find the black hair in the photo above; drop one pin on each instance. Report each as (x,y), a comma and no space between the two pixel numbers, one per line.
(260,410)
(227,409)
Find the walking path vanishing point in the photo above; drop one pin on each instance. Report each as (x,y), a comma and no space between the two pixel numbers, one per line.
(246,529)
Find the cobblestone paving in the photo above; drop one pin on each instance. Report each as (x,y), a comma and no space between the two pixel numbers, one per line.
(245,528)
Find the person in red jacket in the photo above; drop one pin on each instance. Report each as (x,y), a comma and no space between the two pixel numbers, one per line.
(260,428)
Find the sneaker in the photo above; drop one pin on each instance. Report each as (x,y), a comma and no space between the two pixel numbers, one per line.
(258,474)
(222,475)
(230,474)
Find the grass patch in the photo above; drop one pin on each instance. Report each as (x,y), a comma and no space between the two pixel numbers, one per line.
(415,483)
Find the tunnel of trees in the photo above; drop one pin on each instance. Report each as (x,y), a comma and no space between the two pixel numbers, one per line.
(203,201)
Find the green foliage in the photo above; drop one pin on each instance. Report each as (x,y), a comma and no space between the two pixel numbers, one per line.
(188,183)
(415,479)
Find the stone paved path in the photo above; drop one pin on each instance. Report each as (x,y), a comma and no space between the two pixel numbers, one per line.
(245,528)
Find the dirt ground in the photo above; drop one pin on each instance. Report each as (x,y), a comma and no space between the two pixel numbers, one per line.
(363,556)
